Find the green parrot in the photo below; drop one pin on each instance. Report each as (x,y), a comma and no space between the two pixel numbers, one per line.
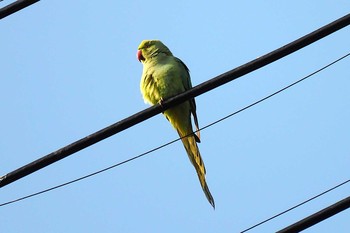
(165,76)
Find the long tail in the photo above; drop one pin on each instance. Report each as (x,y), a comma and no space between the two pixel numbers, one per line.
(194,155)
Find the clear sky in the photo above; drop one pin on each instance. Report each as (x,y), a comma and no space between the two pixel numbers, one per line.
(69,68)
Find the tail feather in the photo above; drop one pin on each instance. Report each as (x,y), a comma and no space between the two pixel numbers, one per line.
(180,119)
(193,153)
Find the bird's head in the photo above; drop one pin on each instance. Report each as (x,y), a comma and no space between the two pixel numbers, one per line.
(151,48)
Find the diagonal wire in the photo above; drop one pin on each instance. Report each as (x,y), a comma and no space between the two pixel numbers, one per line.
(15,6)
(89,175)
(318,217)
(296,206)
(171,142)
(277,92)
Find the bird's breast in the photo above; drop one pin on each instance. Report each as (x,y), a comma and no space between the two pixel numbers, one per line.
(161,80)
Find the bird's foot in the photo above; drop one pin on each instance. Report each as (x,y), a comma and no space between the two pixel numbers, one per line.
(160,102)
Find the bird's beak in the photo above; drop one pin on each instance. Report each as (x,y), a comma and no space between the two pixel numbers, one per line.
(139,56)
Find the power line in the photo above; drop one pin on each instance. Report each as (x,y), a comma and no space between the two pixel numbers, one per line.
(15,6)
(317,217)
(171,142)
(279,91)
(89,175)
(156,109)
(296,206)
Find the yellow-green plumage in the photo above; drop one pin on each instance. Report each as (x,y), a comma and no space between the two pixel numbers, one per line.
(165,76)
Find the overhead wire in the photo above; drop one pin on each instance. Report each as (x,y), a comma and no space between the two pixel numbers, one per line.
(318,216)
(279,91)
(296,206)
(15,6)
(173,141)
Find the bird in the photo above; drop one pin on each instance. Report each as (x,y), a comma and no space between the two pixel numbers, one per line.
(165,76)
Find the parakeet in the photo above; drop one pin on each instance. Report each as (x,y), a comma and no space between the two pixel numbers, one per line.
(165,76)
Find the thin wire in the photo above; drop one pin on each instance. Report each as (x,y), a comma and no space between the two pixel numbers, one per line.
(296,206)
(277,92)
(91,174)
(171,142)
(318,217)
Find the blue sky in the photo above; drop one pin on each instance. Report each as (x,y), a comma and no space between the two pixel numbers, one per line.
(70,69)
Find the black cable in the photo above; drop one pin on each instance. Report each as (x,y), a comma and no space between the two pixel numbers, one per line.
(89,175)
(171,142)
(156,109)
(296,206)
(317,217)
(277,92)
(15,6)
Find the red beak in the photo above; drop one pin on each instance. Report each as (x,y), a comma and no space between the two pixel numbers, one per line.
(139,56)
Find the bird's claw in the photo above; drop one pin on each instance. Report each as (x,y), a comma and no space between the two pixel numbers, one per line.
(160,102)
